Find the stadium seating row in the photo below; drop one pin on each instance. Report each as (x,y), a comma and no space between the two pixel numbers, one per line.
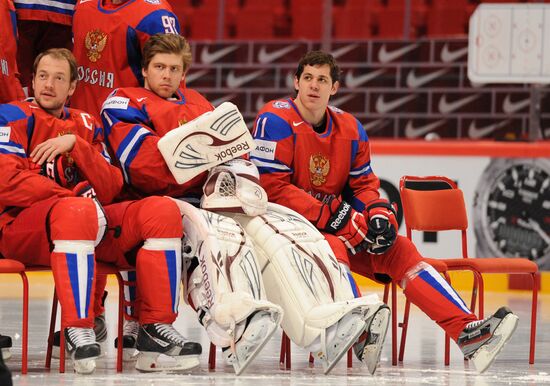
(303,19)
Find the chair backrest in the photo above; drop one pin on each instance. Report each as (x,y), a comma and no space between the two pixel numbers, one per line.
(433,203)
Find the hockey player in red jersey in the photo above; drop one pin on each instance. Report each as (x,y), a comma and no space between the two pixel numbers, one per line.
(55,211)
(10,86)
(108,39)
(135,120)
(315,159)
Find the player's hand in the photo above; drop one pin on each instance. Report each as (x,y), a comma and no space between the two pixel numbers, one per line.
(49,149)
(382,226)
(339,218)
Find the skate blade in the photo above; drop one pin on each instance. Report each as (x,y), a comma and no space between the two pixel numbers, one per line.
(328,364)
(84,366)
(129,354)
(487,353)
(379,325)
(239,366)
(6,353)
(147,362)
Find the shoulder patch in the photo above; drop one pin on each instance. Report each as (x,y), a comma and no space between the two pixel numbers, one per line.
(116,102)
(336,109)
(281,105)
(5,132)
(264,149)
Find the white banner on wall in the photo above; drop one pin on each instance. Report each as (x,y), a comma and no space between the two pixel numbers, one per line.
(508,203)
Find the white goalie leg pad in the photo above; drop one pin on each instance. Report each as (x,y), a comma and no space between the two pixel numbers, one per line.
(206,141)
(302,275)
(227,283)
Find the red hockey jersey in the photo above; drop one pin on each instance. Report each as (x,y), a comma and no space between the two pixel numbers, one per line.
(10,87)
(54,11)
(23,125)
(301,169)
(135,119)
(107,45)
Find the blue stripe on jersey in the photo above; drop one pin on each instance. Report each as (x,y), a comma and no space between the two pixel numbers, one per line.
(273,128)
(131,114)
(13,18)
(39,7)
(270,166)
(159,21)
(363,170)
(172,265)
(5,149)
(10,113)
(133,52)
(435,280)
(356,203)
(129,148)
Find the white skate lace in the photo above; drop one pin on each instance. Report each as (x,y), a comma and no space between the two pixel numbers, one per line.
(475,324)
(81,336)
(130,328)
(169,332)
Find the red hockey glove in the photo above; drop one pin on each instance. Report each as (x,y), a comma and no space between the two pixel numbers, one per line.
(340,219)
(62,170)
(382,226)
(84,189)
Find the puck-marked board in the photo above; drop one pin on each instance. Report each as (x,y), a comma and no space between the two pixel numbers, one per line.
(509,43)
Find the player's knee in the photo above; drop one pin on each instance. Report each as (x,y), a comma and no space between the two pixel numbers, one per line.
(160,218)
(73,218)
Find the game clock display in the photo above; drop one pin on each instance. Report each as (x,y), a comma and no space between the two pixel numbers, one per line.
(512,210)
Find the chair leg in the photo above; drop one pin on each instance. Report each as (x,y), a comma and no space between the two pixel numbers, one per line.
(394,324)
(25,332)
(474,294)
(120,332)
(404,327)
(534,304)
(287,353)
(447,354)
(53,317)
(386,293)
(350,358)
(212,357)
(283,350)
(481,292)
(62,346)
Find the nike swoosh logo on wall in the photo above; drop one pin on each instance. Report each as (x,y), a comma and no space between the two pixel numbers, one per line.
(189,78)
(260,102)
(448,107)
(375,124)
(290,80)
(475,132)
(343,50)
(268,57)
(353,81)
(448,56)
(415,132)
(225,98)
(385,56)
(510,107)
(342,100)
(414,81)
(234,81)
(208,57)
(383,107)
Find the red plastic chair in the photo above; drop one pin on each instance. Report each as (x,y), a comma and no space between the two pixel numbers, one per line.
(424,200)
(9,266)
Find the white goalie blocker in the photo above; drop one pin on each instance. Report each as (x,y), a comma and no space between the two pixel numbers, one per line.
(300,271)
(208,140)
(226,286)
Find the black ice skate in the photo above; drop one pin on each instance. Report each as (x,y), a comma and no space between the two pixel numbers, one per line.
(100,330)
(368,350)
(129,340)
(159,338)
(5,374)
(83,348)
(5,344)
(482,340)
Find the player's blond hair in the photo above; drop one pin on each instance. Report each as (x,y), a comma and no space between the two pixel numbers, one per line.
(60,54)
(167,44)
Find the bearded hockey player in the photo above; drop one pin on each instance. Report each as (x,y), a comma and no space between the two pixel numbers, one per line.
(315,159)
